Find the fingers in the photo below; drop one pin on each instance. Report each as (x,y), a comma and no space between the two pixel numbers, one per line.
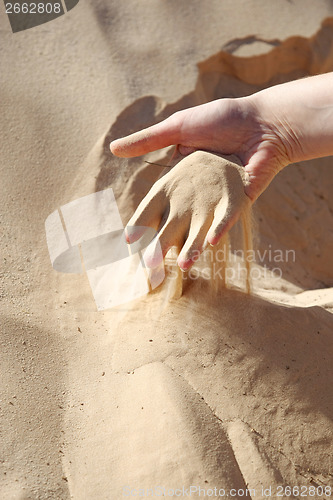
(225,217)
(161,135)
(148,214)
(171,234)
(193,247)
(196,241)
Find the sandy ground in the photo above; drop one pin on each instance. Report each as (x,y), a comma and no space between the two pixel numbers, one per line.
(220,390)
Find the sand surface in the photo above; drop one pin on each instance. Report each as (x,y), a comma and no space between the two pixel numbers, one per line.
(217,388)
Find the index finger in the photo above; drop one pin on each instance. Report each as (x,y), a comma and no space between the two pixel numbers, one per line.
(161,135)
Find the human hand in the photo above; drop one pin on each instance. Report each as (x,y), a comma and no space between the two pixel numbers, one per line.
(195,203)
(224,126)
(265,131)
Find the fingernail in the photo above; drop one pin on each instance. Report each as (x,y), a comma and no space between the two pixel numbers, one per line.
(153,256)
(212,240)
(127,237)
(182,267)
(133,233)
(184,264)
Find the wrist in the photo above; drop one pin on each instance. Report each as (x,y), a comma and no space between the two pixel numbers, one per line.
(300,114)
(276,126)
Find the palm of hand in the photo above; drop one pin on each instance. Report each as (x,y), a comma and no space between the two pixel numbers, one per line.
(228,127)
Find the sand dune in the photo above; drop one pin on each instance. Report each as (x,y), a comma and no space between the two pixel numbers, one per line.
(224,390)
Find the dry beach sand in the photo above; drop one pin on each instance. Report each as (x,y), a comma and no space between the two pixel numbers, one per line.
(216,388)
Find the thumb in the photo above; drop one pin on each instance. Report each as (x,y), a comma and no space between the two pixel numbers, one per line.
(261,170)
(161,135)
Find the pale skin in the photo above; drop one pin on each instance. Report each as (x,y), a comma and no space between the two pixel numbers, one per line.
(266,131)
